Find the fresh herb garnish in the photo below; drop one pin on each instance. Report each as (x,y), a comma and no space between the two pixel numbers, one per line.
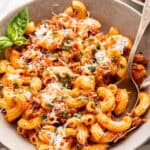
(63,97)
(78,115)
(66,47)
(20,41)
(114,59)
(90,39)
(82,99)
(82,42)
(44,117)
(15,31)
(64,114)
(58,77)
(49,105)
(55,32)
(95,102)
(18,24)
(81,53)
(98,46)
(15,85)
(56,132)
(92,68)
(67,82)
(25,88)
(52,99)
(5,42)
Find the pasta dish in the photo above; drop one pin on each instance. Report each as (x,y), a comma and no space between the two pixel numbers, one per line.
(58,81)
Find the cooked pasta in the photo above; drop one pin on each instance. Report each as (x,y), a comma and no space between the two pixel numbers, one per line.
(60,87)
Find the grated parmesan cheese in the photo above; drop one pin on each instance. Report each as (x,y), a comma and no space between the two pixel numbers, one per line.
(58,139)
(59,106)
(121,43)
(86,67)
(13,76)
(55,86)
(51,92)
(61,70)
(89,21)
(52,114)
(100,55)
(42,30)
(67,32)
(27,94)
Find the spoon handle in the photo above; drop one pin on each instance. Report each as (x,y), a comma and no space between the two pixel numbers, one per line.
(145,20)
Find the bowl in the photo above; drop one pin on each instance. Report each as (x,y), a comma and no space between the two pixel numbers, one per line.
(108,12)
(3,7)
(138,2)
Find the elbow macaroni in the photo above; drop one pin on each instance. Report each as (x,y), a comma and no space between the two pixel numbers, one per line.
(122,67)
(121,101)
(29,124)
(96,132)
(144,103)
(108,102)
(17,110)
(79,9)
(82,134)
(116,126)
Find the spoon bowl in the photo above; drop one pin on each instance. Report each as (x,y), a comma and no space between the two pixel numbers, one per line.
(128,82)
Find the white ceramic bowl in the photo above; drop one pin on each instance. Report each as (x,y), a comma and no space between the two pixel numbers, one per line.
(108,12)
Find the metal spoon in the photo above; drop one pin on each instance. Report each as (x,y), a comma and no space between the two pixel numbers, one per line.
(128,82)
(145,83)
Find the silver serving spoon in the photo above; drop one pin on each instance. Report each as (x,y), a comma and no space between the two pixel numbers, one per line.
(145,83)
(128,82)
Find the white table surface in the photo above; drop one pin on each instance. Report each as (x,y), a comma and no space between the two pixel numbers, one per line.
(7,5)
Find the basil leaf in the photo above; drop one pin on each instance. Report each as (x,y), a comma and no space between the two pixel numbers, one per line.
(20,41)
(5,42)
(18,24)
(15,30)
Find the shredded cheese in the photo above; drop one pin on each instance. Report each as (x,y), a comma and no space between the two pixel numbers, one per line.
(42,30)
(13,76)
(101,57)
(121,43)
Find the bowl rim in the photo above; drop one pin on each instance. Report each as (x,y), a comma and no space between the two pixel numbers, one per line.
(16,9)
(138,2)
(12,11)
